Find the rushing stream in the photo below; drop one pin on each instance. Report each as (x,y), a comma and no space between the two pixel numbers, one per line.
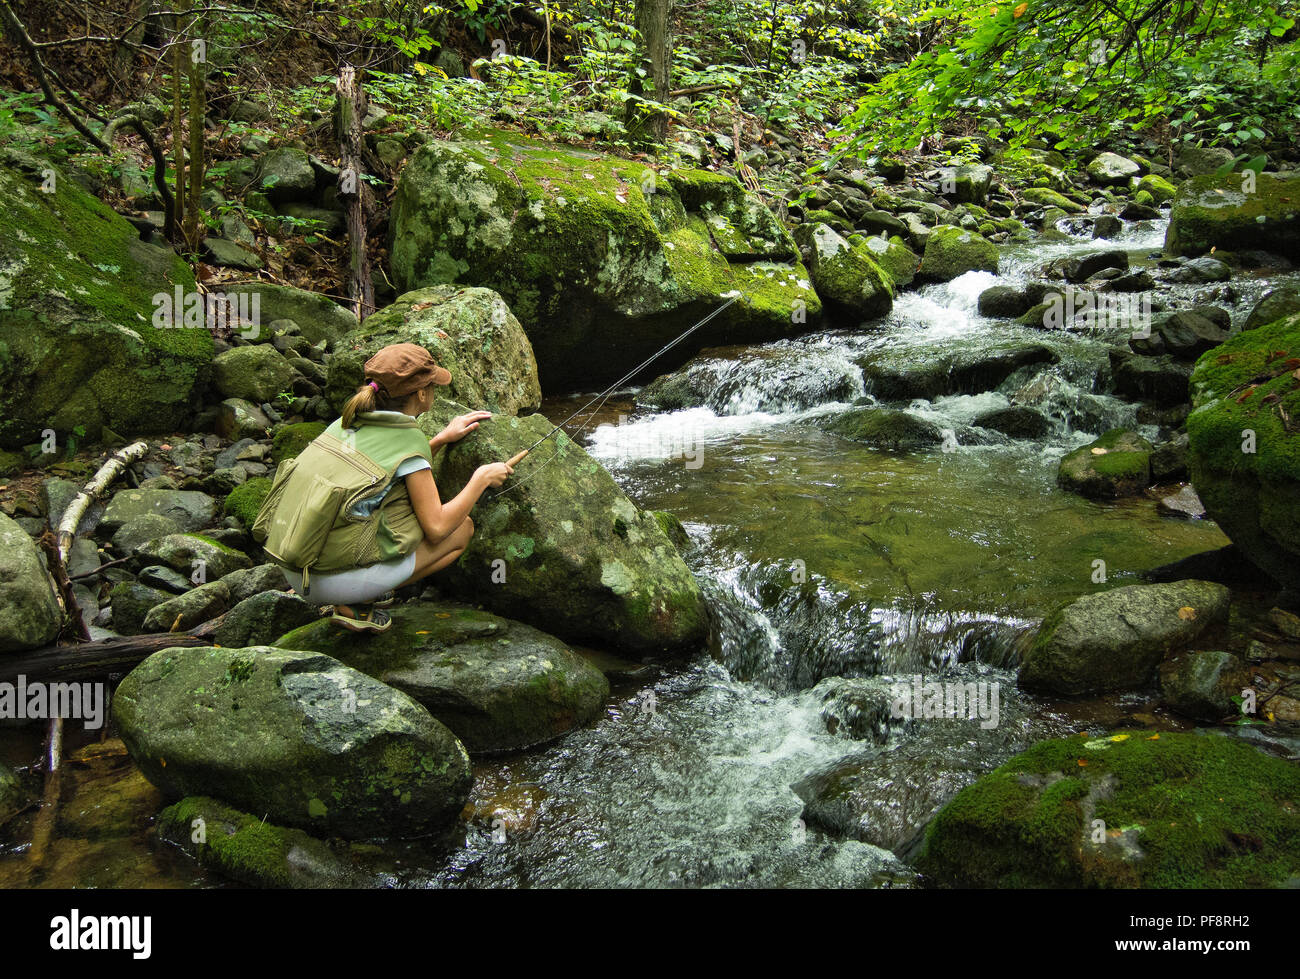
(823,558)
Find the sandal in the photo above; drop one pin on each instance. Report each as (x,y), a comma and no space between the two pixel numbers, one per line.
(372,620)
(385,600)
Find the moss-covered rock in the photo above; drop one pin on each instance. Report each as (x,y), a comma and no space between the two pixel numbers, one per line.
(847,278)
(562,548)
(1244,443)
(245,500)
(1117,464)
(1224,212)
(188,609)
(471,332)
(893,255)
(289,440)
(950,252)
(297,737)
(603,260)
(498,685)
(250,850)
(84,342)
(1113,640)
(188,552)
(1176,810)
(318,318)
(256,373)
(1051,198)
(29,613)
(1158,187)
(131,602)
(188,509)
(261,619)
(1274,305)
(884,428)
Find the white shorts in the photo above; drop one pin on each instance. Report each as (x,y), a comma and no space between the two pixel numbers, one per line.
(355,585)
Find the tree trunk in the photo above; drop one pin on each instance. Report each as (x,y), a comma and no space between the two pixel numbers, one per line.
(198,70)
(349,111)
(655,57)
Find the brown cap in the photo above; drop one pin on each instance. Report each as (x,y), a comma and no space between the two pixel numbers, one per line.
(405,368)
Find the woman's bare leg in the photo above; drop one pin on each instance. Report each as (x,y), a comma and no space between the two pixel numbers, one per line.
(434,557)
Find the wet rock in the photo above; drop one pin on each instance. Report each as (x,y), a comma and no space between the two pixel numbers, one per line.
(131,602)
(1107,226)
(498,685)
(894,257)
(1160,189)
(1117,464)
(297,737)
(966,372)
(193,554)
(1139,281)
(1016,421)
(577,557)
(1243,455)
(249,850)
(1169,459)
(950,252)
(884,428)
(1273,306)
(254,373)
(1138,211)
(1004,302)
(1287,623)
(1081,268)
(190,609)
(240,419)
(860,709)
(318,318)
(1160,379)
(1113,640)
(1185,334)
(1201,684)
(1182,502)
(1203,269)
(1196,161)
(262,618)
(471,332)
(1172,806)
(29,613)
(14,798)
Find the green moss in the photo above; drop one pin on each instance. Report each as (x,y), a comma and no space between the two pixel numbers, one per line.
(289,440)
(245,500)
(1205,811)
(1224,212)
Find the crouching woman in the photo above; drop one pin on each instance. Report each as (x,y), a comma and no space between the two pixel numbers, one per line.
(356,514)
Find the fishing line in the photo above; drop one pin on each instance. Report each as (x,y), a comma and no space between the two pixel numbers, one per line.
(605,395)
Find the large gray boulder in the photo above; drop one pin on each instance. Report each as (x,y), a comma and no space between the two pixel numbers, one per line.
(297,737)
(561,547)
(1113,640)
(29,613)
(602,259)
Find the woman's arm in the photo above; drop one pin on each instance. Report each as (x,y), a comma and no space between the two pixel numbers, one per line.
(438,519)
(457,429)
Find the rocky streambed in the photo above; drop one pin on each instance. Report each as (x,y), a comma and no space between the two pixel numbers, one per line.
(700,644)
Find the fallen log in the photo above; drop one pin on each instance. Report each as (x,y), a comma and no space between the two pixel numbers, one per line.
(98,659)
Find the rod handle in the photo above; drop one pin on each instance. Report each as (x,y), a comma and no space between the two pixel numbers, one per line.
(514,460)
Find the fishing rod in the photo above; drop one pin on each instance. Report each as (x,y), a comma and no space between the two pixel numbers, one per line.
(604,395)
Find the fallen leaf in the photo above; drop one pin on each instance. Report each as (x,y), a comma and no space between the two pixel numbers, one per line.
(1187,613)
(1099,451)
(1120,737)
(1083,763)
(1019,10)
(1154,737)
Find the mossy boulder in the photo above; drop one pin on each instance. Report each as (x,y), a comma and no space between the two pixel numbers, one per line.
(848,280)
(85,341)
(318,318)
(289,440)
(951,251)
(299,738)
(562,548)
(603,260)
(245,500)
(1175,811)
(261,619)
(188,509)
(1244,444)
(471,332)
(1225,212)
(970,371)
(1201,684)
(131,602)
(256,373)
(1274,305)
(29,613)
(193,554)
(1047,197)
(884,428)
(893,255)
(1113,640)
(249,850)
(498,685)
(1112,170)
(1117,464)
(1160,189)
(188,609)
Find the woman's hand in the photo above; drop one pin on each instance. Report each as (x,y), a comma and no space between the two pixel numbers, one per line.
(494,473)
(458,428)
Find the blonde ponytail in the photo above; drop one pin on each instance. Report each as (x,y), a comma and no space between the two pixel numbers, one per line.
(369,397)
